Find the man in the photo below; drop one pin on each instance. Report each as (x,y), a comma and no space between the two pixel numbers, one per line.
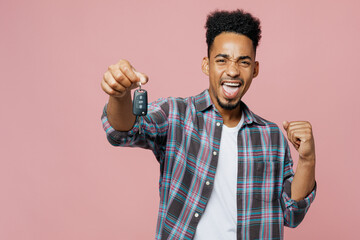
(226,173)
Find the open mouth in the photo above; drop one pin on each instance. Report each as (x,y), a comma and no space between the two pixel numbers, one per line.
(232,84)
(231,88)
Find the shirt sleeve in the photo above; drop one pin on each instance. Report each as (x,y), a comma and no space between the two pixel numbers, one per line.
(294,211)
(153,126)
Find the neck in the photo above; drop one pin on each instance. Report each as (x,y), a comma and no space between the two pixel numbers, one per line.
(232,117)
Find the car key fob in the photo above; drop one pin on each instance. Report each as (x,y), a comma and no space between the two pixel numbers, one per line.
(140,102)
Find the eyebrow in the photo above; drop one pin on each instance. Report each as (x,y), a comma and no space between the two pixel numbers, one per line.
(227,56)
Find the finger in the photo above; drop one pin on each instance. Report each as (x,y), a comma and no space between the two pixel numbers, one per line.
(142,77)
(290,138)
(112,83)
(297,123)
(296,144)
(128,72)
(293,136)
(301,135)
(285,125)
(299,127)
(119,76)
(295,139)
(110,91)
(122,79)
(289,126)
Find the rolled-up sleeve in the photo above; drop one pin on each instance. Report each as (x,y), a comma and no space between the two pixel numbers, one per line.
(153,129)
(294,211)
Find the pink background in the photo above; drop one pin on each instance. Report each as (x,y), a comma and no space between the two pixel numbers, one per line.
(60,179)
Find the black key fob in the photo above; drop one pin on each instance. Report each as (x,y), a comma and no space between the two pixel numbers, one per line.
(140,102)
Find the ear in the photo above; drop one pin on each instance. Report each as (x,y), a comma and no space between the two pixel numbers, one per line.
(256,69)
(205,65)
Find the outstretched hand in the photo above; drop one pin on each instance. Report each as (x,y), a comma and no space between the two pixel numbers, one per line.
(121,78)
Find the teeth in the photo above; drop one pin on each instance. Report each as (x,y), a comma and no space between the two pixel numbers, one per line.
(232,84)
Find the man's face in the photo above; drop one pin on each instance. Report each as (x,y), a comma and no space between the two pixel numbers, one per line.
(231,67)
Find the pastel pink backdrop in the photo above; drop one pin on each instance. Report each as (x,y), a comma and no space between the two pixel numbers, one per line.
(59,177)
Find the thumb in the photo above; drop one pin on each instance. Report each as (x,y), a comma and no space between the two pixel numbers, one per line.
(142,77)
(286,125)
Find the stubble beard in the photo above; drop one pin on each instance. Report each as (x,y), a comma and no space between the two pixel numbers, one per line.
(228,106)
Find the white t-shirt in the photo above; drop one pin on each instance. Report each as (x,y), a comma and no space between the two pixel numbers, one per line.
(220,217)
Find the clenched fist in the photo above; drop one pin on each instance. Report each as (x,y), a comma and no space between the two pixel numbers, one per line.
(300,135)
(121,78)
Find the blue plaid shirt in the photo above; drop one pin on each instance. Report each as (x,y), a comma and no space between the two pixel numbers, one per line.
(184,134)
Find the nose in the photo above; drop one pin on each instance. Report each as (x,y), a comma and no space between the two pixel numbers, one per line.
(233,70)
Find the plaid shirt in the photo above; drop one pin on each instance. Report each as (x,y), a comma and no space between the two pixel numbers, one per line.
(184,135)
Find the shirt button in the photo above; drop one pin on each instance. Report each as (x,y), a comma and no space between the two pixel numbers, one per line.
(218,124)
(207,183)
(214,153)
(196,215)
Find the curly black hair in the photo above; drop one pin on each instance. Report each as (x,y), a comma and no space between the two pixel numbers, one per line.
(236,21)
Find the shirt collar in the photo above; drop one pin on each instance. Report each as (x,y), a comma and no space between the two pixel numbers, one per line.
(203,102)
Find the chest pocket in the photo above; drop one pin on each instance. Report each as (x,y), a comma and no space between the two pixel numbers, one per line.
(267,180)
